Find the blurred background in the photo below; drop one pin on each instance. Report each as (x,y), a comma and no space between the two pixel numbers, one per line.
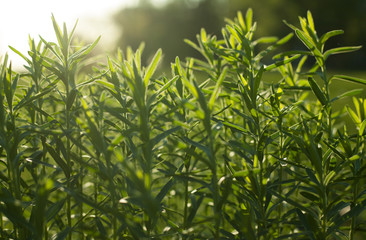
(166,26)
(166,23)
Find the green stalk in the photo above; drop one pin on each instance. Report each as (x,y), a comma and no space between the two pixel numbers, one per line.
(1,224)
(145,137)
(187,163)
(68,144)
(351,233)
(112,189)
(14,174)
(214,180)
(68,162)
(355,191)
(328,108)
(280,175)
(81,189)
(328,111)
(186,197)
(146,155)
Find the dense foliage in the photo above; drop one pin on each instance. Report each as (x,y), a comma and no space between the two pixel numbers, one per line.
(211,150)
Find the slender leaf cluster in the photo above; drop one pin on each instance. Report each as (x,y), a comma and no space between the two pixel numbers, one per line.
(213,150)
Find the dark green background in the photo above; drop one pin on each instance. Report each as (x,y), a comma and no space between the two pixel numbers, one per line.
(165,27)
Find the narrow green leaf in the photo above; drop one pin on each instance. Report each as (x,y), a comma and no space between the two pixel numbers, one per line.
(54,209)
(282,62)
(6,81)
(318,93)
(152,98)
(203,35)
(167,85)
(311,21)
(362,128)
(290,25)
(165,190)
(354,157)
(197,144)
(310,45)
(137,62)
(328,35)
(108,85)
(257,81)
(340,50)
(214,94)
(57,31)
(245,173)
(335,210)
(65,41)
(193,45)
(12,209)
(73,30)
(194,208)
(164,134)
(101,229)
(285,39)
(350,79)
(290,201)
(241,21)
(61,163)
(152,67)
(304,218)
(77,56)
(353,115)
(63,234)
(92,129)
(249,19)
(118,113)
(38,211)
(232,125)
(71,98)
(21,55)
(183,75)
(341,219)
(265,40)
(25,101)
(310,196)
(348,94)
(233,33)
(291,53)
(329,177)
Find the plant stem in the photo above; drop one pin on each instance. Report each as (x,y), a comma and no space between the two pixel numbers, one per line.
(68,146)
(186,185)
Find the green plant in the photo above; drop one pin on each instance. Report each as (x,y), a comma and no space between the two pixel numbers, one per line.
(215,150)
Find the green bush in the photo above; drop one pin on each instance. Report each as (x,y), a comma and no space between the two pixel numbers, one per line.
(213,150)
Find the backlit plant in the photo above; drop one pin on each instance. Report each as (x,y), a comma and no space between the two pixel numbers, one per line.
(229,146)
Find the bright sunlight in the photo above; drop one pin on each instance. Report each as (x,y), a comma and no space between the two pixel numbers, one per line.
(21,18)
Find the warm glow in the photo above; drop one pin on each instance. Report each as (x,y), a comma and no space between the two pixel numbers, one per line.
(21,18)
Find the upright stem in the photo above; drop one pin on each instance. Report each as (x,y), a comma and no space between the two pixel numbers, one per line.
(186,196)
(216,194)
(280,176)
(353,220)
(81,210)
(147,157)
(68,146)
(214,180)
(355,191)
